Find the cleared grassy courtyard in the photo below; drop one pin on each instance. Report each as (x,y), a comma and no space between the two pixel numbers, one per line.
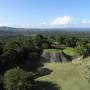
(66,76)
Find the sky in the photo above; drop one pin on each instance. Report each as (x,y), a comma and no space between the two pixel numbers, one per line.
(45,13)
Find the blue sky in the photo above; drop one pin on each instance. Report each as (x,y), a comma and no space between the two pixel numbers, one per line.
(45,13)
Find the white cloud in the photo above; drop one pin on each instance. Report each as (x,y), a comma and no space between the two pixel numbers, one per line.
(62,20)
(42,23)
(84,21)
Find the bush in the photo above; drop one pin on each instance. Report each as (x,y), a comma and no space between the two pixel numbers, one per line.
(45,46)
(17,79)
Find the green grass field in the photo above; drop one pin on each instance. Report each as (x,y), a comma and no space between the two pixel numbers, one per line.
(66,76)
(70,51)
(52,50)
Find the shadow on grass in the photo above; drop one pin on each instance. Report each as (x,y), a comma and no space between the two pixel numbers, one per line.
(43,72)
(69,58)
(44,85)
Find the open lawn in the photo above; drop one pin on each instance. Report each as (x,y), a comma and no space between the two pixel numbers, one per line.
(70,51)
(65,76)
(52,50)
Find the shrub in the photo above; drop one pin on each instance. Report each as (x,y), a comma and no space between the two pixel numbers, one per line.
(17,79)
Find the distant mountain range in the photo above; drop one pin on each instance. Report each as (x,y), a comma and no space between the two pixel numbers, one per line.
(16,31)
(9,31)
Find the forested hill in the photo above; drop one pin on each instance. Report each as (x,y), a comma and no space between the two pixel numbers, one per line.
(10,31)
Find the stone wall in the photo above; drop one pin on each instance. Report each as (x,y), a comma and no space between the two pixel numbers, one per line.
(53,57)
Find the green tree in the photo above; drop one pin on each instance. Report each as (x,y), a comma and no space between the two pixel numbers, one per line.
(9,56)
(1,47)
(23,54)
(71,41)
(38,39)
(81,48)
(45,46)
(59,39)
(17,79)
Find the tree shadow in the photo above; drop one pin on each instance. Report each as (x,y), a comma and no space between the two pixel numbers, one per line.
(45,59)
(69,58)
(44,85)
(43,72)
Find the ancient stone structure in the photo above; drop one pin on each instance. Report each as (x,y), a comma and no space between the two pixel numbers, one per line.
(53,57)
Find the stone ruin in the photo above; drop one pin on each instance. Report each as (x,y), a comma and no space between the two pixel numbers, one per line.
(53,57)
